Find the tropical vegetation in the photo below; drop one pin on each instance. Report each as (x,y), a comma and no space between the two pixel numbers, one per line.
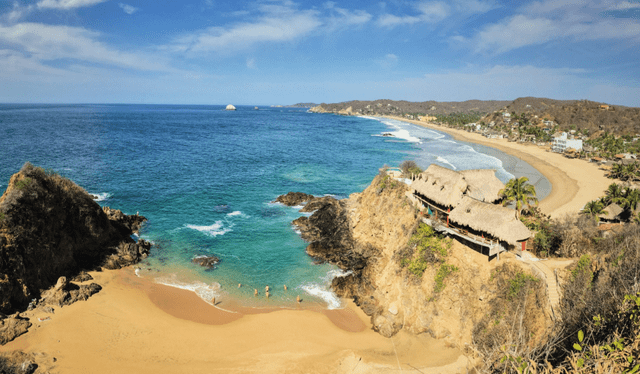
(520,192)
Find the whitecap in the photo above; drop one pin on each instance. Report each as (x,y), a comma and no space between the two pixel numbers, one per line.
(205,291)
(237,213)
(212,230)
(101,196)
(314,289)
(445,161)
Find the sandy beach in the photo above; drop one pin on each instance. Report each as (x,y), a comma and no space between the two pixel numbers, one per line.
(574,182)
(135,326)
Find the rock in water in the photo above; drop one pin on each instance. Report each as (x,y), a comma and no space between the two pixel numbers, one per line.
(294,198)
(206,261)
(50,227)
(230,107)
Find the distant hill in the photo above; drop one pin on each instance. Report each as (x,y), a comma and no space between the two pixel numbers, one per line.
(580,114)
(302,105)
(391,107)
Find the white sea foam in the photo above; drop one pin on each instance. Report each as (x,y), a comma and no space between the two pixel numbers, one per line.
(237,213)
(332,300)
(445,161)
(101,196)
(205,291)
(297,207)
(212,230)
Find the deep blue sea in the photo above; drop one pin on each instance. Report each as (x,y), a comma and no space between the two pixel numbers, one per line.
(205,178)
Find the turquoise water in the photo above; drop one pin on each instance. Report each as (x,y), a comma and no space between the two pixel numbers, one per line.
(206,178)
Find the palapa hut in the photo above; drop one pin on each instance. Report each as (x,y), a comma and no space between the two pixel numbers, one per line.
(441,186)
(483,185)
(466,199)
(481,218)
(611,213)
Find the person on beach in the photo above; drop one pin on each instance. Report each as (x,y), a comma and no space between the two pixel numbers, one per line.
(239,285)
(285,287)
(298,299)
(266,288)
(255,292)
(213,301)
(268,294)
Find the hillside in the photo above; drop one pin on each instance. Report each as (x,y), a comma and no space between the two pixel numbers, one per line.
(577,114)
(391,107)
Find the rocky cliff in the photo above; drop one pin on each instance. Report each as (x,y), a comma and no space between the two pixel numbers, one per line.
(369,234)
(51,228)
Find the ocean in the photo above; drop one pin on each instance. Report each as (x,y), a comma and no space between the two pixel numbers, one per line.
(206,179)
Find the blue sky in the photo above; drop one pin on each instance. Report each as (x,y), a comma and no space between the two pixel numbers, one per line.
(284,52)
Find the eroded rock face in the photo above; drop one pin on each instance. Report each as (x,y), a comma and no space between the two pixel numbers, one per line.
(50,227)
(65,293)
(11,328)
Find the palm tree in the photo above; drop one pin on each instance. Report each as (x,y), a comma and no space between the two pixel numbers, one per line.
(613,194)
(616,171)
(519,191)
(594,208)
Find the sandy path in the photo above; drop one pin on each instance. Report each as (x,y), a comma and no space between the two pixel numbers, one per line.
(121,329)
(574,182)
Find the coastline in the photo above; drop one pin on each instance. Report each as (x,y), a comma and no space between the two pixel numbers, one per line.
(129,327)
(573,182)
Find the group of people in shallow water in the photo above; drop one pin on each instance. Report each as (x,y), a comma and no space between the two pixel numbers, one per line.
(266,292)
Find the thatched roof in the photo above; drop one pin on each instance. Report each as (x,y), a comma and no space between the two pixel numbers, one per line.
(441,185)
(493,219)
(483,185)
(446,187)
(613,212)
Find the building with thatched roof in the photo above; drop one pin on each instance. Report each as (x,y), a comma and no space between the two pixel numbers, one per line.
(460,204)
(611,213)
(447,187)
(498,221)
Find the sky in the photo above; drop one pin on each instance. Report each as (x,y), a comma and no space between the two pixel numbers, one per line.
(269,52)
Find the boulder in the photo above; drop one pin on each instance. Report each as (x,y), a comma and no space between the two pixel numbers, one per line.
(206,261)
(11,328)
(294,198)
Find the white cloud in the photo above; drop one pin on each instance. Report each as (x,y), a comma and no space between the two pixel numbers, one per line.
(48,43)
(389,61)
(273,22)
(436,11)
(67,4)
(128,8)
(251,63)
(626,5)
(544,21)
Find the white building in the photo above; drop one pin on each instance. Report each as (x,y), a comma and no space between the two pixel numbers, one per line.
(562,143)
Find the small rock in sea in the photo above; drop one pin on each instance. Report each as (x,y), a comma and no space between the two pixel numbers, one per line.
(206,261)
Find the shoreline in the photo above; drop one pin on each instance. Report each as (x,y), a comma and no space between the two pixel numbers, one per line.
(149,328)
(573,182)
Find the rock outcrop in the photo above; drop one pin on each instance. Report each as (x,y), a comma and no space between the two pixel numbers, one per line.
(12,327)
(51,228)
(367,235)
(208,262)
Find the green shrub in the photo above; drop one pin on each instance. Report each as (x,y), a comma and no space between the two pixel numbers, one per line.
(443,272)
(22,184)
(425,247)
